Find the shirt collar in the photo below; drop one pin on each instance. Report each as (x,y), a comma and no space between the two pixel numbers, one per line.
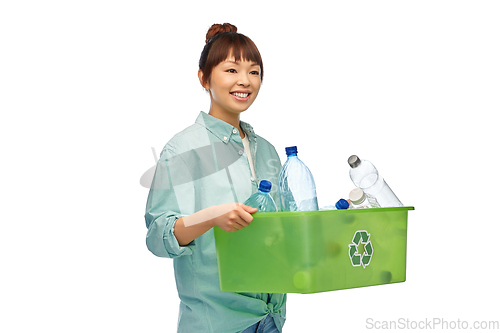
(221,129)
(247,128)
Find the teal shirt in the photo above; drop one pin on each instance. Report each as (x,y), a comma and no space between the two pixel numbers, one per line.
(202,166)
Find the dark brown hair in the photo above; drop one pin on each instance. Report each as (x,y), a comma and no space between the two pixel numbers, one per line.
(223,40)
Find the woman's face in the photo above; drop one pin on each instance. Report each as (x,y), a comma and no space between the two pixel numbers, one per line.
(234,85)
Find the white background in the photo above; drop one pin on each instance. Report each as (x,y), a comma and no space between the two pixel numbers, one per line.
(87,88)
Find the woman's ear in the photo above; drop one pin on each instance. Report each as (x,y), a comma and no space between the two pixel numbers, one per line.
(200,77)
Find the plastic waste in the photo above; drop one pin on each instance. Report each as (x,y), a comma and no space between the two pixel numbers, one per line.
(365,176)
(261,199)
(296,187)
(341,204)
(360,200)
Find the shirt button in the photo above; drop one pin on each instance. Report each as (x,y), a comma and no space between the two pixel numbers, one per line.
(225,138)
(240,152)
(235,131)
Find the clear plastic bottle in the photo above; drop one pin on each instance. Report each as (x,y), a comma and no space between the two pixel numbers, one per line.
(261,199)
(341,204)
(365,176)
(296,187)
(360,200)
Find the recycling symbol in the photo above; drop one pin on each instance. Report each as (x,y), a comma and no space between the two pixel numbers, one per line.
(361,249)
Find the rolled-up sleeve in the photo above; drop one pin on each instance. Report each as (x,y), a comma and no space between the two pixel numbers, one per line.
(162,207)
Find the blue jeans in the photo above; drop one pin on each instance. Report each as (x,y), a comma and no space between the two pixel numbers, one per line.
(266,325)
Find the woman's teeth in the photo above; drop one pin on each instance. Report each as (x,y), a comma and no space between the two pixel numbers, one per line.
(240,95)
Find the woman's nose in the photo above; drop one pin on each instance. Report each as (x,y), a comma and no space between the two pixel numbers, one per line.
(243,80)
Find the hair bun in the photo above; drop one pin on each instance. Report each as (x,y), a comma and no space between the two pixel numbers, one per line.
(216,29)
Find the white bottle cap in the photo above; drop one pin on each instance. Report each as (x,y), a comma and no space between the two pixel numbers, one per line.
(357,196)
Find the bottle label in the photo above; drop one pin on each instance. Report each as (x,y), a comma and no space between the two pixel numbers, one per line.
(372,200)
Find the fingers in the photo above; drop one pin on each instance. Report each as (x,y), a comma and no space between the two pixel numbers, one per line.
(229,217)
(248,209)
(235,225)
(245,212)
(240,217)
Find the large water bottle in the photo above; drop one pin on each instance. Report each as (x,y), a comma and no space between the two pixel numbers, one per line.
(365,176)
(261,199)
(296,187)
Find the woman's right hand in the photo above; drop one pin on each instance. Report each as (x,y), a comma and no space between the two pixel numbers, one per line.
(237,217)
(229,217)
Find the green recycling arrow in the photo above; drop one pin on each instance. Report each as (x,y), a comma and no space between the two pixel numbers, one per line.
(352,250)
(356,238)
(369,248)
(365,260)
(361,239)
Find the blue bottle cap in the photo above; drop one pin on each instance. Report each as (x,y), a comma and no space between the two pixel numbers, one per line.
(342,204)
(265,186)
(291,150)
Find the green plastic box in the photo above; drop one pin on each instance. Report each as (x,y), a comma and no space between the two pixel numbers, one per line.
(310,252)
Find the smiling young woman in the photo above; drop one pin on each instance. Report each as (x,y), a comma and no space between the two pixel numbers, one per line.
(203,175)
(231,70)
(233,87)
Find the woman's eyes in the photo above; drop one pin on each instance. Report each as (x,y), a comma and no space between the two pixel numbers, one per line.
(232,70)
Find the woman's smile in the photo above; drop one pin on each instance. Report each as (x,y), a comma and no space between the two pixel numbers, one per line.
(241,95)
